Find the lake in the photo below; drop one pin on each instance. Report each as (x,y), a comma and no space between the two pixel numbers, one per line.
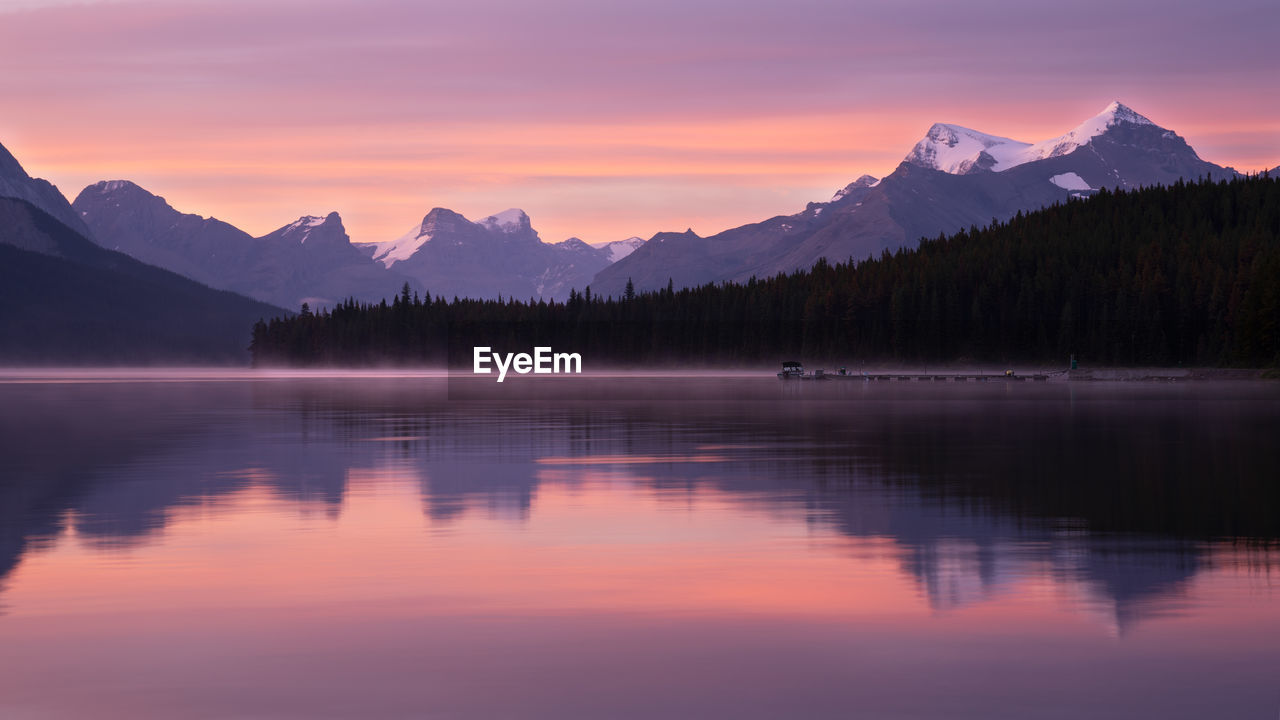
(253,545)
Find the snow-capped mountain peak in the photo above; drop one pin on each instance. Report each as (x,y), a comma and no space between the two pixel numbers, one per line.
(959,151)
(300,230)
(865,181)
(109,186)
(306,221)
(402,248)
(574,243)
(121,191)
(445,223)
(619,249)
(1118,112)
(510,220)
(1112,115)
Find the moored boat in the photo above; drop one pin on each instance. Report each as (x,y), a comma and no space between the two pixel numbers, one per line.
(791,369)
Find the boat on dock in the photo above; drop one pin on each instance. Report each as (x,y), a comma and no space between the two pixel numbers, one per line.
(792,370)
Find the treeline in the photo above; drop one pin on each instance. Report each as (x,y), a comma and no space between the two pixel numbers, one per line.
(1186,274)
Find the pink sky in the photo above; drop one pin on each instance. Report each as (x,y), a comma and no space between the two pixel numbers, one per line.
(601,119)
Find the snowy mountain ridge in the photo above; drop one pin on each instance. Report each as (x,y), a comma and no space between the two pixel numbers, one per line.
(865,181)
(509,220)
(390,252)
(960,151)
(619,249)
(302,227)
(954,178)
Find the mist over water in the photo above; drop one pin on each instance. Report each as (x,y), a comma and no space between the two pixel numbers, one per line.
(397,544)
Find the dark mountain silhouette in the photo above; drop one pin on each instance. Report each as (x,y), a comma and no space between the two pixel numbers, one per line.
(63,299)
(16,183)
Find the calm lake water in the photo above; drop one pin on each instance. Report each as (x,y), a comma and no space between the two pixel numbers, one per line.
(238,546)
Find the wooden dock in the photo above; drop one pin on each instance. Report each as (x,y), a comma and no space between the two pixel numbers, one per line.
(926,377)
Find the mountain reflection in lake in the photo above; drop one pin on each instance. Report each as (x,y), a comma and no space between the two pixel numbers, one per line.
(636,548)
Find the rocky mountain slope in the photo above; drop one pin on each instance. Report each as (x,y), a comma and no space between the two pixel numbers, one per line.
(953,178)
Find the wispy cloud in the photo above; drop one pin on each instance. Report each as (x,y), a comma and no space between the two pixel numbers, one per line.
(383,108)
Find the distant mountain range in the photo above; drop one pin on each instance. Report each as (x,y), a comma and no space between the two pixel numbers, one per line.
(952,179)
(312,260)
(64,299)
(1183,274)
(500,255)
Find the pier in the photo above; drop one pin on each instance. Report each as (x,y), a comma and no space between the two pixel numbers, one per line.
(793,370)
(926,377)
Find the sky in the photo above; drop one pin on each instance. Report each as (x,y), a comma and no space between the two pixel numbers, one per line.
(602,119)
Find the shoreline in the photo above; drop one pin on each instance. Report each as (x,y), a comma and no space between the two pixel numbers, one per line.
(941,371)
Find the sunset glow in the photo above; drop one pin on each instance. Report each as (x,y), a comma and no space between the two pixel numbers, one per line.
(602,121)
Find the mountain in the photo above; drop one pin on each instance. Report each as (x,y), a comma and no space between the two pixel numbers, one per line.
(64,299)
(952,179)
(961,151)
(310,260)
(313,260)
(129,219)
(1159,276)
(500,255)
(619,249)
(16,183)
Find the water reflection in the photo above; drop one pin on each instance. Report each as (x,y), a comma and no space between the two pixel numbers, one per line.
(973,485)
(1111,501)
